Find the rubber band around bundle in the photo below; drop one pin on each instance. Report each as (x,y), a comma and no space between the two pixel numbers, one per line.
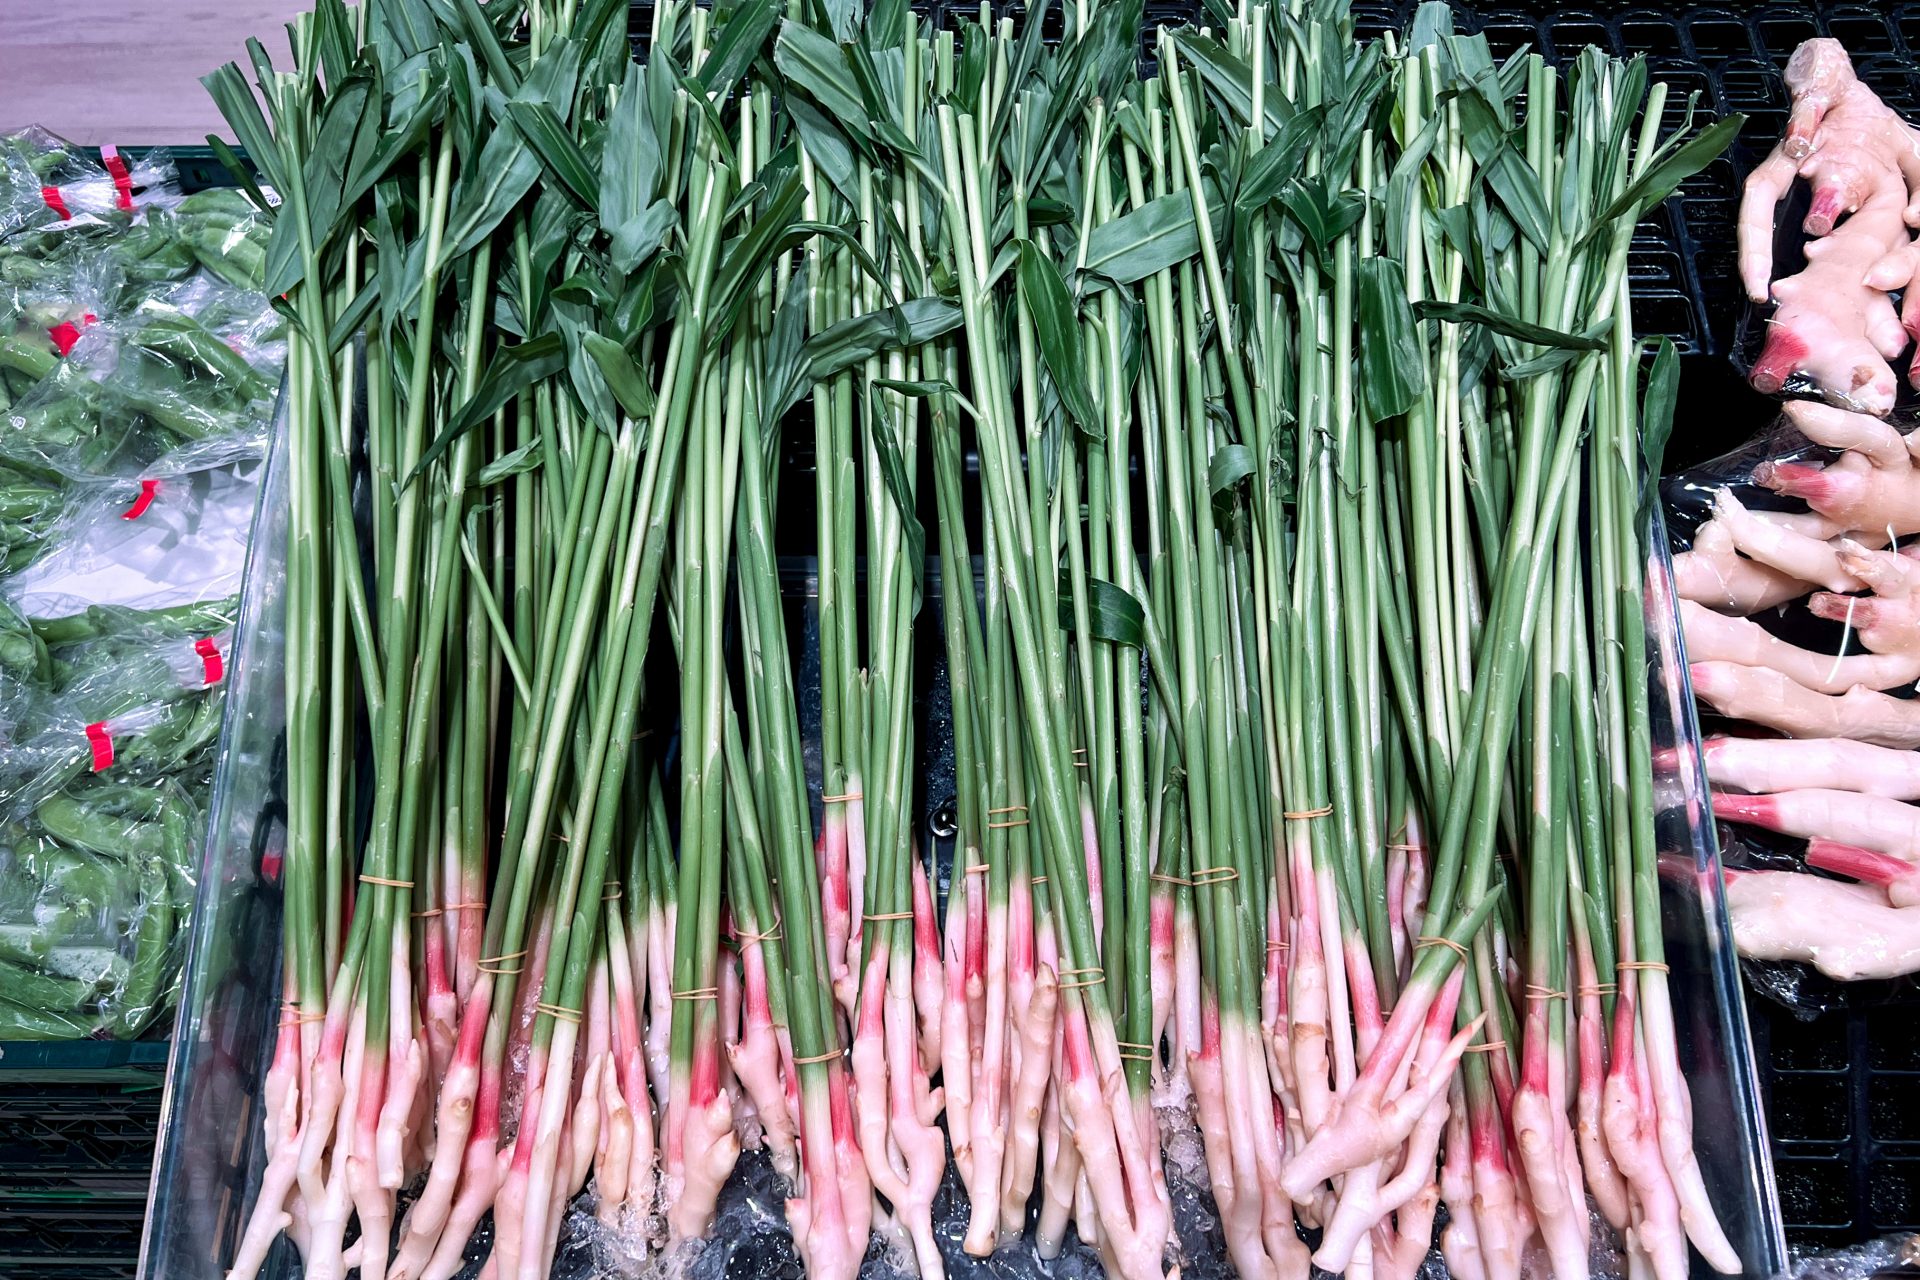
(464,906)
(1129,1053)
(557,1011)
(498,964)
(1599,989)
(52,198)
(299,1019)
(843,799)
(1133,1044)
(1164,878)
(1090,968)
(1537,992)
(812,1058)
(887,915)
(1487,1046)
(978,868)
(424,915)
(1434,940)
(612,894)
(1001,826)
(382,880)
(1008,808)
(1078,983)
(1036,879)
(1323,811)
(698,993)
(1207,876)
(1279,944)
(1405,848)
(1658,965)
(771,934)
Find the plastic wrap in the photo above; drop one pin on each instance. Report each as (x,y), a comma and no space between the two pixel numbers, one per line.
(189,367)
(97,876)
(1795,560)
(47,183)
(109,722)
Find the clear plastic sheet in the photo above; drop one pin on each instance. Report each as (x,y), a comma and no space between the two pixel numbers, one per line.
(1797,624)
(1887,1255)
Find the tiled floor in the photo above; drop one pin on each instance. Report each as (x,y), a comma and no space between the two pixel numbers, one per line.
(127,71)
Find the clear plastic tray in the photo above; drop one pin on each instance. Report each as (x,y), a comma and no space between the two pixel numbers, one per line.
(211,1153)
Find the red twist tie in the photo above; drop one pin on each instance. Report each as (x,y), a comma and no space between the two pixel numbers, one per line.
(56,202)
(212,666)
(140,504)
(65,336)
(122,179)
(102,743)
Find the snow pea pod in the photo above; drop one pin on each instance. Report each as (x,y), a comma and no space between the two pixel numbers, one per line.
(33,358)
(97,831)
(37,990)
(137,1002)
(182,338)
(20,1022)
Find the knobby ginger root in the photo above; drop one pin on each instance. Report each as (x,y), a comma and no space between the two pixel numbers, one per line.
(1847,931)
(1781,764)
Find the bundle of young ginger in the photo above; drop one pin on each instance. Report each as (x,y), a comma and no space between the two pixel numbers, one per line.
(1271,424)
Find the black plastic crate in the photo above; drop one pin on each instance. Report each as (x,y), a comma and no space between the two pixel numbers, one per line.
(1839,1090)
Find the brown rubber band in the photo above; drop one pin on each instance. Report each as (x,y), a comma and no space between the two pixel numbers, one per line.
(298,1018)
(1278,945)
(1206,876)
(1487,1047)
(1126,1056)
(1600,989)
(888,915)
(1537,992)
(498,964)
(698,993)
(1131,1044)
(1625,965)
(464,906)
(1434,940)
(1164,878)
(559,1011)
(557,836)
(1322,812)
(977,869)
(1081,764)
(1036,879)
(1405,848)
(615,895)
(810,1059)
(843,799)
(1078,983)
(1009,808)
(1001,826)
(1092,968)
(423,915)
(382,880)
(770,934)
